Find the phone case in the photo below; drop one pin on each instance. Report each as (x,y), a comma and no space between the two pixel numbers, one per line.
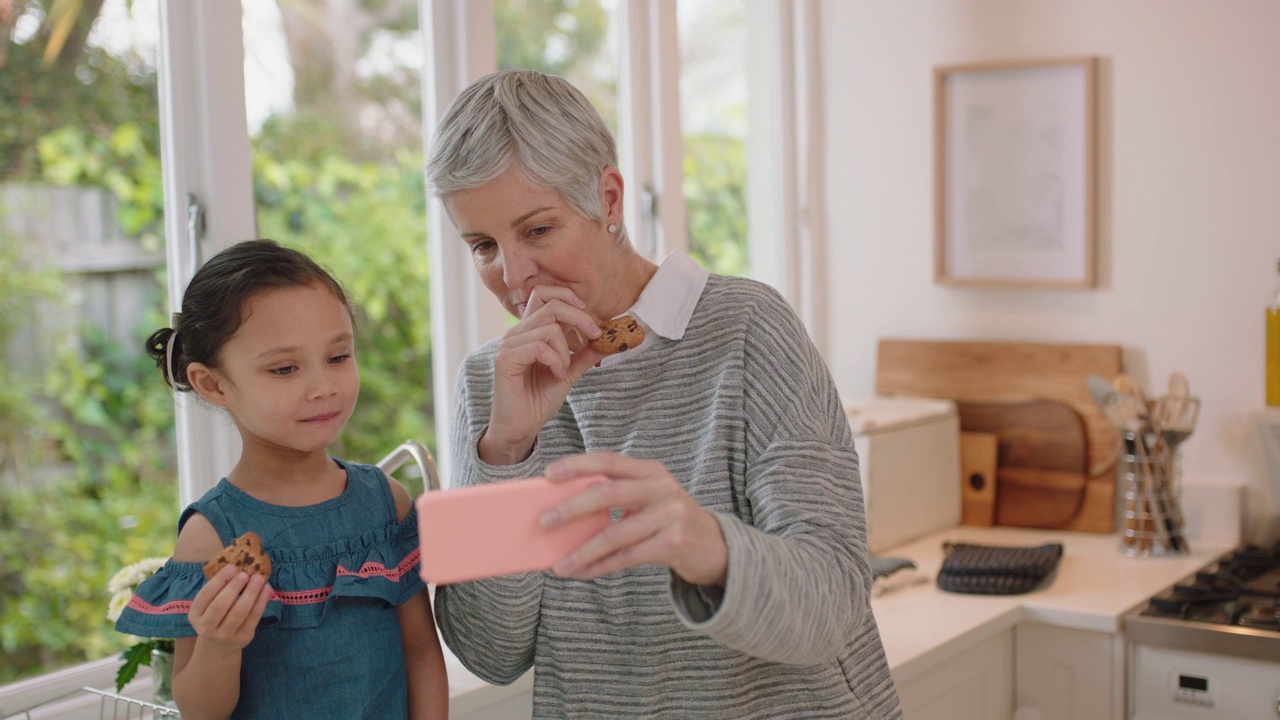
(483,531)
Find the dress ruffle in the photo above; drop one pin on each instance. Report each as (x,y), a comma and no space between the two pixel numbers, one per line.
(380,564)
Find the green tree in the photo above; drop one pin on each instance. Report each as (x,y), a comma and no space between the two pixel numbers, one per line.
(53,79)
(715,170)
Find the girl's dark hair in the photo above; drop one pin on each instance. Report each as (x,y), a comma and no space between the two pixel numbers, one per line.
(212,306)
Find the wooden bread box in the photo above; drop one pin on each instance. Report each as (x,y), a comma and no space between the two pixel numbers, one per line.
(1055,452)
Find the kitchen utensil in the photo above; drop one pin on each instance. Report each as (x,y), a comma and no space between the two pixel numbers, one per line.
(1176,418)
(1013,371)
(1134,408)
(1124,411)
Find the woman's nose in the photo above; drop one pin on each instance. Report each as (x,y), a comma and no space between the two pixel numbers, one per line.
(517,267)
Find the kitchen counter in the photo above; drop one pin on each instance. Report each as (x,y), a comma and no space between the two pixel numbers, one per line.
(1093,587)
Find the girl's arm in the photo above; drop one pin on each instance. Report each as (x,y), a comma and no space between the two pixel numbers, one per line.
(424,662)
(225,614)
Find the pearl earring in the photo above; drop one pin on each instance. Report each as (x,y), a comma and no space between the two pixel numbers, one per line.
(612,228)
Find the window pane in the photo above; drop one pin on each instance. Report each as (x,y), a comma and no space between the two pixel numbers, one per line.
(713,120)
(87,471)
(334,111)
(575,39)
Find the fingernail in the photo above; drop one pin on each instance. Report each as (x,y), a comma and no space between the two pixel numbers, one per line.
(564,567)
(555,470)
(549,519)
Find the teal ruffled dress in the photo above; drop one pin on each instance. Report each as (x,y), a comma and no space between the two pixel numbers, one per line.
(328,644)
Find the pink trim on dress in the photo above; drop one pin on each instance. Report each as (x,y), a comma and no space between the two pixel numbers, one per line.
(177,607)
(296,597)
(376,569)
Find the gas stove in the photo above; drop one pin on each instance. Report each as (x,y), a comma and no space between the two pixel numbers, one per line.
(1209,646)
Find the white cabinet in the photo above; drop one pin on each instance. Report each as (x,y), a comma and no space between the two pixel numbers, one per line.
(976,684)
(1029,672)
(1066,674)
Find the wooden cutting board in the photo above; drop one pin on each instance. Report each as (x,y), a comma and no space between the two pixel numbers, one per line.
(979,453)
(1013,372)
(1041,459)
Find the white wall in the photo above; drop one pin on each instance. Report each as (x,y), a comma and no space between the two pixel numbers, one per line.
(1189,196)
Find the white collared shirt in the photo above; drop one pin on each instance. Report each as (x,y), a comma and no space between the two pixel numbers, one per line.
(667,302)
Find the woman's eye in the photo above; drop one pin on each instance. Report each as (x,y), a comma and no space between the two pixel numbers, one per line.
(338,359)
(540,230)
(484,247)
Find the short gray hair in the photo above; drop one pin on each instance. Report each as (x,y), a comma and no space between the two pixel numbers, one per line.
(539,123)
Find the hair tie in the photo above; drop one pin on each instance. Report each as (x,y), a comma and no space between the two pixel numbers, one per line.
(168,350)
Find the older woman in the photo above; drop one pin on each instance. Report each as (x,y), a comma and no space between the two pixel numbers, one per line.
(735,581)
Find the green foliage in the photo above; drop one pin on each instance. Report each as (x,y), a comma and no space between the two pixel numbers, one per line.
(21,286)
(715,192)
(113,414)
(120,160)
(98,94)
(549,35)
(54,599)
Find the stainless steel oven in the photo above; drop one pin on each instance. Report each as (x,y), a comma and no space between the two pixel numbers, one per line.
(1209,646)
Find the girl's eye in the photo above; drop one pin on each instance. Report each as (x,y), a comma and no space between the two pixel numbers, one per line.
(283,371)
(338,359)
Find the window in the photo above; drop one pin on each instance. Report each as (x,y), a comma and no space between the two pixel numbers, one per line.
(87,458)
(227,152)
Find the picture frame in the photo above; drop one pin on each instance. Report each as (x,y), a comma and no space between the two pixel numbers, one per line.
(1015,173)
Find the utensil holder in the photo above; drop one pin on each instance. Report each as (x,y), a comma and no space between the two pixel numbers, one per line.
(1150,514)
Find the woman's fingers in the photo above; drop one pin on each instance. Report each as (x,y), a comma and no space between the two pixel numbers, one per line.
(661,524)
(560,306)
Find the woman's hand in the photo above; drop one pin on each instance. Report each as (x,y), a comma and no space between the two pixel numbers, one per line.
(539,359)
(226,611)
(661,524)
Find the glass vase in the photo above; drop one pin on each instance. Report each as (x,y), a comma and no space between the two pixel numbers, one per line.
(162,677)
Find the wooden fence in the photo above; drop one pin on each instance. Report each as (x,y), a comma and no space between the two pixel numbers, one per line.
(109,277)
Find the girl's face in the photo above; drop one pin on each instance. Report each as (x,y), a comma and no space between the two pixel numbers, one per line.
(288,375)
(523,236)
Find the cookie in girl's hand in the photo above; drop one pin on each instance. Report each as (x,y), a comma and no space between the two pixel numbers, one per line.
(617,335)
(245,552)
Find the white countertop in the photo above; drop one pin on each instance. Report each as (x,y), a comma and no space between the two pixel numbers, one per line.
(1094,585)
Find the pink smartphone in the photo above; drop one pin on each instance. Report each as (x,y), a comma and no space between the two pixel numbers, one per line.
(488,530)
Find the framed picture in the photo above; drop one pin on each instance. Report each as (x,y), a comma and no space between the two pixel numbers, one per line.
(1014,196)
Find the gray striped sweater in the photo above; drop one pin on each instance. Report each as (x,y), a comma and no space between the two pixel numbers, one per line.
(744,413)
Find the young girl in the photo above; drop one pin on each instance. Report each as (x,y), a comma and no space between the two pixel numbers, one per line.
(343,628)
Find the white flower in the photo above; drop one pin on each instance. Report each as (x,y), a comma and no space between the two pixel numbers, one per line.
(118,601)
(129,576)
(122,584)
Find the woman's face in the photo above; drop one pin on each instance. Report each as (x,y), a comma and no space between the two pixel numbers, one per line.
(523,236)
